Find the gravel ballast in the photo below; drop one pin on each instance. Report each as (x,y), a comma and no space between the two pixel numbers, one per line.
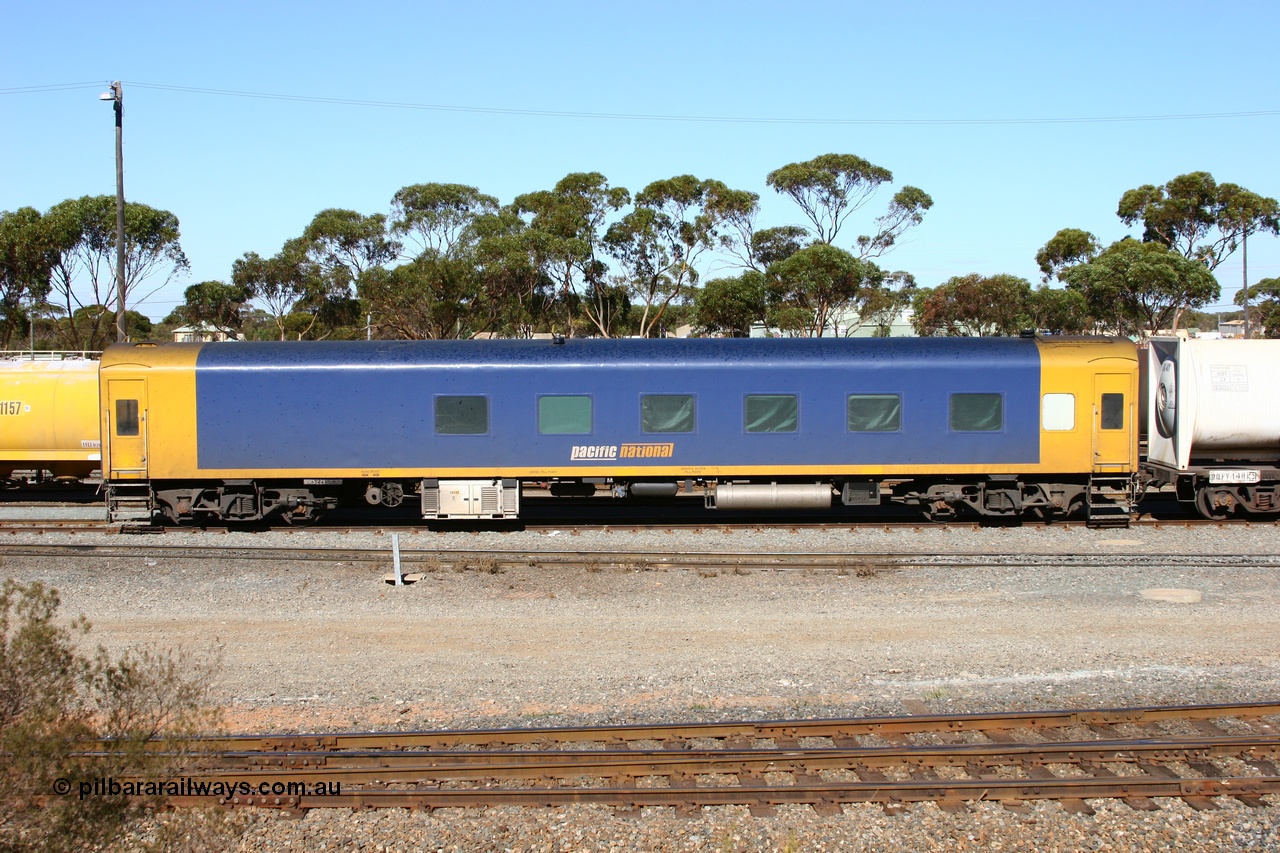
(319,646)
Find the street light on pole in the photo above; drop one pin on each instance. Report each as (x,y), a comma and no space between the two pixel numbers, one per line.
(116,96)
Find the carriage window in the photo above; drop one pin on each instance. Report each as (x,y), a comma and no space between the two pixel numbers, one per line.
(1113,411)
(127,417)
(977,412)
(667,413)
(1058,412)
(564,415)
(875,413)
(462,415)
(771,413)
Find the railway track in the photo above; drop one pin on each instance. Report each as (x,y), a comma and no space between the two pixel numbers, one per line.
(416,562)
(63,525)
(1192,753)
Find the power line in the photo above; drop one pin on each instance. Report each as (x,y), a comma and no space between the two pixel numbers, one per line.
(400,105)
(55,87)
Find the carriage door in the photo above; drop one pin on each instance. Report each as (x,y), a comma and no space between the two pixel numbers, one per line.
(1113,415)
(127,428)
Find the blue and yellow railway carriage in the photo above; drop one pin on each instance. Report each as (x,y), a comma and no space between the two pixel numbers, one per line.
(254,430)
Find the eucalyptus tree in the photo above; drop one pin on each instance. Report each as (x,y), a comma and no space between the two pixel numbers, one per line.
(730,306)
(345,244)
(776,244)
(809,291)
(1199,218)
(1266,311)
(438,218)
(1070,246)
(736,212)
(906,210)
(1059,310)
(303,301)
(1141,288)
(973,305)
(508,261)
(27,257)
(436,292)
(674,223)
(335,251)
(82,233)
(213,304)
(882,305)
(569,224)
(831,187)
(430,297)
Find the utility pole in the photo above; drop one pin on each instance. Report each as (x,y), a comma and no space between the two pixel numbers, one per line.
(116,95)
(1245,247)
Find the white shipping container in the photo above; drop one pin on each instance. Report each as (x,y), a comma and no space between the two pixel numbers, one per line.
(1213,400)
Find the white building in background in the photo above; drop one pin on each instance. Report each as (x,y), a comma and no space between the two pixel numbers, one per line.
(1231,328)
(200,334)
(900,328)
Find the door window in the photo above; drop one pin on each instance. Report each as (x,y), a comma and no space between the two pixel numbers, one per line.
(127,417)
(1113,411)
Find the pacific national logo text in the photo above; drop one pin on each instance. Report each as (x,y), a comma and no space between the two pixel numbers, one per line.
(621,451)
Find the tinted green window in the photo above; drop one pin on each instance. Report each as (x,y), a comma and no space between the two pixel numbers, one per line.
(771,413)
(667,413)
(564,415)
(1113,411)
(977,412)
(462,415)
(127,417)
(875,413)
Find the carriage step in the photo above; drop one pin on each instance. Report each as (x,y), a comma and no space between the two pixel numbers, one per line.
(1109,501)
(129,503)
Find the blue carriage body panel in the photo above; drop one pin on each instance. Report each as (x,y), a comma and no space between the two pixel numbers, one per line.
(317,407)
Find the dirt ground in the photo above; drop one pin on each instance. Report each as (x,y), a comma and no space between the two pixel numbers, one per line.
(313,646)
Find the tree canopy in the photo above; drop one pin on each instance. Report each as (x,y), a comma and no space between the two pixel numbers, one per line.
(1192,217)
(1140,286)
(972,305)
(27,256)
(79,236)
(1266,310)
(1197,217)
(831,187)
(585,257)
(809,292)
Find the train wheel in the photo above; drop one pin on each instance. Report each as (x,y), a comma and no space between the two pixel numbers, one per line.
(1215,505)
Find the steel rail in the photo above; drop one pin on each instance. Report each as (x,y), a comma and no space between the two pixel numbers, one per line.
(823,796)
(783,560)
(761,764)
(366,768)
(13,526)
(784,733)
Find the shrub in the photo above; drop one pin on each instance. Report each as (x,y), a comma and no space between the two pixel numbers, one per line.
(56,704)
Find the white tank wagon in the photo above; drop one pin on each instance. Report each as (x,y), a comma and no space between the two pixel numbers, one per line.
(1213,414)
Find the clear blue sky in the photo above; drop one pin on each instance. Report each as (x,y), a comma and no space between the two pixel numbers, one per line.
(915,87)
